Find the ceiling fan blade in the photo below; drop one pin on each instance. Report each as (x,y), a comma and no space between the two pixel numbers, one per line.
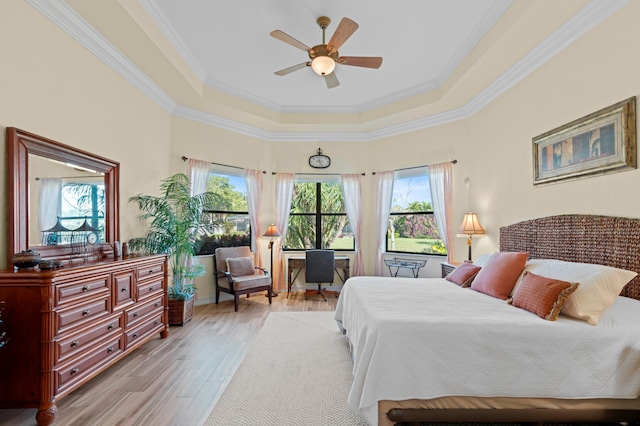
(293,68)
(331,80)
(343,32)
(361,61)
(288,39)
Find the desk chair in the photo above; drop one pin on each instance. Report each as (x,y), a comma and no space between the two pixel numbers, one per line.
(234,273)
(319,266)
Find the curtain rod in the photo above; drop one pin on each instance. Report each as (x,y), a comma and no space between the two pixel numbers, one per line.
(225,165)
(320,174)
(415,167)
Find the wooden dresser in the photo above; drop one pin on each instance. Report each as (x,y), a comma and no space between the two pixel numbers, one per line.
(66,325)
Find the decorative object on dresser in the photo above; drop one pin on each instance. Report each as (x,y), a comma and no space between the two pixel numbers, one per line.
(174,228)
(470,227)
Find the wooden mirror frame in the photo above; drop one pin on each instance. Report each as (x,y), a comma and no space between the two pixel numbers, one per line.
(19,145)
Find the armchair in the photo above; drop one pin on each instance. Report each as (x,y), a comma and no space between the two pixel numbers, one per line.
(234,273)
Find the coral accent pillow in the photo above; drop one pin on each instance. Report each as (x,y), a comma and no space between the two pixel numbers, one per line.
(542,296)
(498,276)
(463,274)
(239,266)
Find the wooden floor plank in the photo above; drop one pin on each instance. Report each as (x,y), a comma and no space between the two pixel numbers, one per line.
(173,381)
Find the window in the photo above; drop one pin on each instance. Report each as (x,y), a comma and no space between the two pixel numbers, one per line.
(412,225)
(80,202)
(227,224)
(318,219)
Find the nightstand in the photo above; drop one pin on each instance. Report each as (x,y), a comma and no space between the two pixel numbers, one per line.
(447,268)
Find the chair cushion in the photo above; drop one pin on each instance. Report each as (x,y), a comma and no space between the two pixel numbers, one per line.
(251,281)
(239,266)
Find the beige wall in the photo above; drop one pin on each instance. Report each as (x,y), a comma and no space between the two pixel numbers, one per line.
(51,85)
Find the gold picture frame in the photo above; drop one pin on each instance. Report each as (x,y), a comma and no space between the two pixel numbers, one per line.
(601,142)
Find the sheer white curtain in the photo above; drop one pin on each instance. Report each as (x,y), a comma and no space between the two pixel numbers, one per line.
(253,180)
(442,199)
(284,194)
(352,191)
(384,188)
(198,172)
(49,202)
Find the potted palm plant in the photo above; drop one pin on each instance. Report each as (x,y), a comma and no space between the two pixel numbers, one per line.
(174,220)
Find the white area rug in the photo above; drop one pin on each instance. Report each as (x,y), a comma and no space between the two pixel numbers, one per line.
(297,372)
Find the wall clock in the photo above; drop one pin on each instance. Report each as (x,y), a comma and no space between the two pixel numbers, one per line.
(319,160)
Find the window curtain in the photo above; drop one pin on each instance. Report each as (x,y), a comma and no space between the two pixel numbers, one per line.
(352,191)
(49,202)
(284,194)
(442,199)
(198,172)
(384,187)
(253,180)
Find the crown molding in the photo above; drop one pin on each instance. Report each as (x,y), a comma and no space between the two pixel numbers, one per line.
(73,24)
(586,19)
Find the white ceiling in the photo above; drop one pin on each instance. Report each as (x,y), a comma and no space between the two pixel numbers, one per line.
(227,45)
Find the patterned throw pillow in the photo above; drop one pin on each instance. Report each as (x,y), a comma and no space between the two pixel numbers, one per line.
(239,266)
(542,296)
(464,274)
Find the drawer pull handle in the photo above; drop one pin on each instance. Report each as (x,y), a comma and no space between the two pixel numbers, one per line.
(110,326)
(85,288)
(150,288)
(74,344)
(123,289)
(74,371)
(135,335)
(86,312)
(156,322)
(110,350)
(155,305)
(135,314)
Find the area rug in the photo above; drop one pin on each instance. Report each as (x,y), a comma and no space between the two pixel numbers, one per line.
(297,372)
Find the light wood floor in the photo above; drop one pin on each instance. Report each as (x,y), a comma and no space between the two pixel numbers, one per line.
(173,381)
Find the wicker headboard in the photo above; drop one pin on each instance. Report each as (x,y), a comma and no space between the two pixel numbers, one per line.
(604,240)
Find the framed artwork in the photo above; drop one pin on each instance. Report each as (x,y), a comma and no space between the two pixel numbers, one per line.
(602,142)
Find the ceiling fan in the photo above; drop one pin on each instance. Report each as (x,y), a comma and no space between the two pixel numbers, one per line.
(325,56)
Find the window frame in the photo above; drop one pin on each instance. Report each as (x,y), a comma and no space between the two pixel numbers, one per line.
(319,215)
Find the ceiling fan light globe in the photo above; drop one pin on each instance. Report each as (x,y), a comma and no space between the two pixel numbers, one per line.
(323,65)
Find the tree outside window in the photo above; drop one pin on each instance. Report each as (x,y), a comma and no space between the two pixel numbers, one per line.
(317,219)
(227,225)
(80,201)
(412,225)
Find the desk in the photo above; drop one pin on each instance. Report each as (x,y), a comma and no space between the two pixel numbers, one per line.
(297,264)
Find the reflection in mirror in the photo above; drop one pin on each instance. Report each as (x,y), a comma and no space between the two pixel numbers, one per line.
(66,203)
(79,188)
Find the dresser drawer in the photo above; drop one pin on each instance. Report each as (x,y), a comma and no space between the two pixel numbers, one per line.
(150,288)
(66,293)
(77,370)
(151,325)
(137,314)
(149,271)
(83,312)
(71,345)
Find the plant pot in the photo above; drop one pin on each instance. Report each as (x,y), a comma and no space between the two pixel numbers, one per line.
(180,311)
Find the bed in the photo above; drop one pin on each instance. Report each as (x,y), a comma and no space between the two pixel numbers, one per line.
(429,350)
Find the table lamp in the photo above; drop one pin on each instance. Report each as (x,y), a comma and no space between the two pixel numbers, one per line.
(470,226)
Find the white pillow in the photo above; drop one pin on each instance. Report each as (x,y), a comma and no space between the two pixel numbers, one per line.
(598,289)
(480,261)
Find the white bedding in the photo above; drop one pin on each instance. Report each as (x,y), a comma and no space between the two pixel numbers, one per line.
(427,338)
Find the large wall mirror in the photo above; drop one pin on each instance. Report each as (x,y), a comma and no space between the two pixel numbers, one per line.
(59,196)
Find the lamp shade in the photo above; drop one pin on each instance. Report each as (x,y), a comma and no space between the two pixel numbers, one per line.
(272,231)
(471,225)
(323,65)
